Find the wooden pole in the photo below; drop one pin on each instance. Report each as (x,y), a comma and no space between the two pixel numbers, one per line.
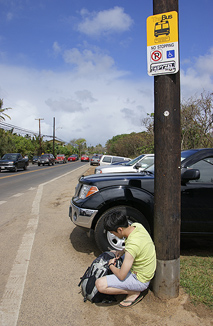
(167,208)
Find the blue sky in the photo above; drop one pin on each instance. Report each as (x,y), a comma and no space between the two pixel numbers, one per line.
(84,63)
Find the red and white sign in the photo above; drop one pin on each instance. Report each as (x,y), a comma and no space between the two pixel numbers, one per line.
(156,56)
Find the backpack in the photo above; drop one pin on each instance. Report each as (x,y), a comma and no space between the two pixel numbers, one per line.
(97,269)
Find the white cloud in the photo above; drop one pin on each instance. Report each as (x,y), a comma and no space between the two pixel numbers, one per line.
(95,104)
(66,105)
(56,48)
(9,16)
(105,22)
(198,77)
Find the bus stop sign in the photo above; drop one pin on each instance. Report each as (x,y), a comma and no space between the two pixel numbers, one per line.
(162,44)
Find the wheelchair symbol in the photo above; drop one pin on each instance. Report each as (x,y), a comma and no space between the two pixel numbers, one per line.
(170,54)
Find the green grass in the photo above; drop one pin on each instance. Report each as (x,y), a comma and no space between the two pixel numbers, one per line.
(196,277)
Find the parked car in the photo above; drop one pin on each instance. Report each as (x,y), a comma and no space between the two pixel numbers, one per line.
(110,159)
(136,165)
(73,157)
(99,194)
(35,159)
(95,160)
(13,162)
(84,158)
(46,159)
(60,158)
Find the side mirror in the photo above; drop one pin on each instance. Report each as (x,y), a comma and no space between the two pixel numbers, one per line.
(190,174)
(137,166)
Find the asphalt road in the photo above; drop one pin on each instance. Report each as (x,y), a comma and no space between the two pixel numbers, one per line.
(43,255)
(12,183)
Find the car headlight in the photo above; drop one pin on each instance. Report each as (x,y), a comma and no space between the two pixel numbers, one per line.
(98,171)
(87,191)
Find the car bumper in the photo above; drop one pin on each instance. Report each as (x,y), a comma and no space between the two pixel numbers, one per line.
(7,167)
(82,217)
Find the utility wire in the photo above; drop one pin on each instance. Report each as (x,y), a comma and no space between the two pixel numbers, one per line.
(7,126)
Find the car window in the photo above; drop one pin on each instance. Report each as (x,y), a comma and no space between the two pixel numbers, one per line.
(205,167)
(134,161)
(117,159)
(107,159)
(147,161)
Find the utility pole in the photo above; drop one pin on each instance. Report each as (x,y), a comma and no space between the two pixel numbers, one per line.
(39,121)
(54,136)
(167,208)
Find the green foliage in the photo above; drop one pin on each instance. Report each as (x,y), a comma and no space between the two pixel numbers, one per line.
(197,122)
(80,145)
(131,145)
(2,111)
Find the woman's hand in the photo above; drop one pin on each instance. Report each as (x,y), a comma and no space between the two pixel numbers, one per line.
(112,261)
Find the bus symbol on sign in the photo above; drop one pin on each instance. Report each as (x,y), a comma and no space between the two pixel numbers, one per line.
(156,55)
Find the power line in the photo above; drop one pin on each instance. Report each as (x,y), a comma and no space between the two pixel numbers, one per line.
(7,126)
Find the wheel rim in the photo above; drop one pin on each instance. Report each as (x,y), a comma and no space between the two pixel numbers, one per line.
(115,242)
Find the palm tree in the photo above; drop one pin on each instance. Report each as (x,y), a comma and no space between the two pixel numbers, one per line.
(2,111)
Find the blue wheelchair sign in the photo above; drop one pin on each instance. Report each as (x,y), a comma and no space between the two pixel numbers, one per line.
(170,54)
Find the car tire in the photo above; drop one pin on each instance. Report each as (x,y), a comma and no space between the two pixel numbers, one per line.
(38,164)
(106,240)
(25,167)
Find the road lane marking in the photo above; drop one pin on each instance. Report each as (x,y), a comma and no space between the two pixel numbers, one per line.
(12,297)
(14,289)
(40,169)
(18,194)
(2,202)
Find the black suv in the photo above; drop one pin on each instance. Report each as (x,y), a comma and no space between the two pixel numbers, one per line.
(97,195)
(46,159)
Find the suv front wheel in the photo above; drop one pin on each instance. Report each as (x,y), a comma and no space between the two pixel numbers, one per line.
(106,240)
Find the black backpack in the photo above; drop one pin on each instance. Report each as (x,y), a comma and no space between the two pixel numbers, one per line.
(98,268)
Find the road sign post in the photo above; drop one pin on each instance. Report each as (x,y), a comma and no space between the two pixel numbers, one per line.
(163,64)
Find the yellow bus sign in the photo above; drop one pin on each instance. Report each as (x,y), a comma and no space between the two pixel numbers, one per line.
(162,43)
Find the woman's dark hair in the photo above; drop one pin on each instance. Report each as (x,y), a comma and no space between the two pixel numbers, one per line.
(114,220)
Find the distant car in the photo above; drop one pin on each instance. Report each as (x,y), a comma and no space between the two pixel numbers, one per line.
(136,165)
(60,158)
(35,159)
(84,158)
(46,159)
(95,160)
(73,157)
(110,159)
(13,162)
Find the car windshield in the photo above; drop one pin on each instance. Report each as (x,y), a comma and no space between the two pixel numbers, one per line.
(134,161)
(9,157)
(150,168)
(185,154)
(44,156)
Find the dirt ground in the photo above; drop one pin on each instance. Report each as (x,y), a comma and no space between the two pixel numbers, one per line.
(154,311)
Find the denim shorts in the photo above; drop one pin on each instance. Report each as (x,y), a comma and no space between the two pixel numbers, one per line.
(130,283)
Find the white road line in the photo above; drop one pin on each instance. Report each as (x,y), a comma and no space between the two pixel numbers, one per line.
(12,297)
(2,202)
(18,195)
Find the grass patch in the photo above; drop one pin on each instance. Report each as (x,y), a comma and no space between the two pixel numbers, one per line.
(196,277)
